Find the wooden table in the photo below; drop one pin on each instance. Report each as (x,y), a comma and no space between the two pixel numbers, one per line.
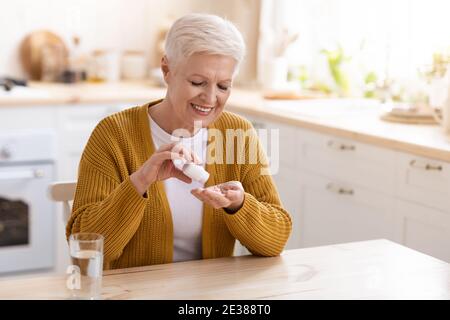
(377,269)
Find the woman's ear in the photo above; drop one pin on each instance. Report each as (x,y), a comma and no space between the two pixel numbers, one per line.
(165,68)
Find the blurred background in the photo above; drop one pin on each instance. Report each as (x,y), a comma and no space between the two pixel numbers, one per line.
(348,47)
(358,90)
(113,29)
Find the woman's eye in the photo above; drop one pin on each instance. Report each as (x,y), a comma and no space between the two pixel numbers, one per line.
(196,83)
(224,88)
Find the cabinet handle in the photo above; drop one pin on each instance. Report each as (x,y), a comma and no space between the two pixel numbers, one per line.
(340,190)
(341,146)
(5,153)
(425,166)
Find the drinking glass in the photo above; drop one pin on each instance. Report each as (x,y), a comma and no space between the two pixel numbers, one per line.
(85,273)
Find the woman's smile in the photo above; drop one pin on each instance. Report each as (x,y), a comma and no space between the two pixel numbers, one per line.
(201,109)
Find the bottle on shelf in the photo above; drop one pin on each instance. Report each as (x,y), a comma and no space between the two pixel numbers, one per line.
(76,70)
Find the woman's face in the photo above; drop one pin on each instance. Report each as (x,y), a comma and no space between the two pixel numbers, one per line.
(199,87)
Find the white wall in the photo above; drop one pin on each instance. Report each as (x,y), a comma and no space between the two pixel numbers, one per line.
(245,14)
(108,24)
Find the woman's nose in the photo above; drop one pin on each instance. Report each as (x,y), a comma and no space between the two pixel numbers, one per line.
(209,95)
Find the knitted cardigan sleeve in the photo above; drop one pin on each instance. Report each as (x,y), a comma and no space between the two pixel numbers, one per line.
(104,203)
(262,225)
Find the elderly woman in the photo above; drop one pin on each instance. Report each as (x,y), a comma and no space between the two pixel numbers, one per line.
(149,211)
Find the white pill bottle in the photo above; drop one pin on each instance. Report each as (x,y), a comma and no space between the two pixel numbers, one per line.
(192,170)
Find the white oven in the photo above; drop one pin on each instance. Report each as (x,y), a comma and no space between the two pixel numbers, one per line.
(26,214)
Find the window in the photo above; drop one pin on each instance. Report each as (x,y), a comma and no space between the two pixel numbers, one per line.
(389,38)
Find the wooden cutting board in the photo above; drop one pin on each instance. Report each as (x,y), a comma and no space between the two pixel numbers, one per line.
(422,115)
(39,45)
(410,120)
(291,95)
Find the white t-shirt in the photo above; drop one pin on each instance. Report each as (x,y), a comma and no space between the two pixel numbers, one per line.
(187,210)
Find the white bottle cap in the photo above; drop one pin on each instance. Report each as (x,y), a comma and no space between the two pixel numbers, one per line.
(179,163)
(196,172)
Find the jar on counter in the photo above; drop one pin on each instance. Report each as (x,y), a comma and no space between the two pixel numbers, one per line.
(134,65)
(104,66)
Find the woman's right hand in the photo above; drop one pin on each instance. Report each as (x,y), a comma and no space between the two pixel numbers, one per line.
(160,166)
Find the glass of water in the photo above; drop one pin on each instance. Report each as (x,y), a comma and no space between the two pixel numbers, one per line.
(85,273)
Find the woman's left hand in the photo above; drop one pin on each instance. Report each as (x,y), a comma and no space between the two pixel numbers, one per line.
(228,195)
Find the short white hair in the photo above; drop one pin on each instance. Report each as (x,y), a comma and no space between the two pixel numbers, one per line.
(203,34)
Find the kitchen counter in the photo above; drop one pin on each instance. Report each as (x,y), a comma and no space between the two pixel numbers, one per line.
(377,269)
(58,94)
(355,119)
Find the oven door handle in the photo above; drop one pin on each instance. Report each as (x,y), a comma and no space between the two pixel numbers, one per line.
(25,174)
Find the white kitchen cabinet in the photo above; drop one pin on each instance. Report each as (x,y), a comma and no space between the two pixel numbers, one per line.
(75,125)
(278,140)
(286,152)
(346,159)
(424,181)
(313,168)
(424,229)
(340,190)
(27,117)
(288,184)
(335,211)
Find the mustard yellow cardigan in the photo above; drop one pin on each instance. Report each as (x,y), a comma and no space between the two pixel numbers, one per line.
(138,229)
